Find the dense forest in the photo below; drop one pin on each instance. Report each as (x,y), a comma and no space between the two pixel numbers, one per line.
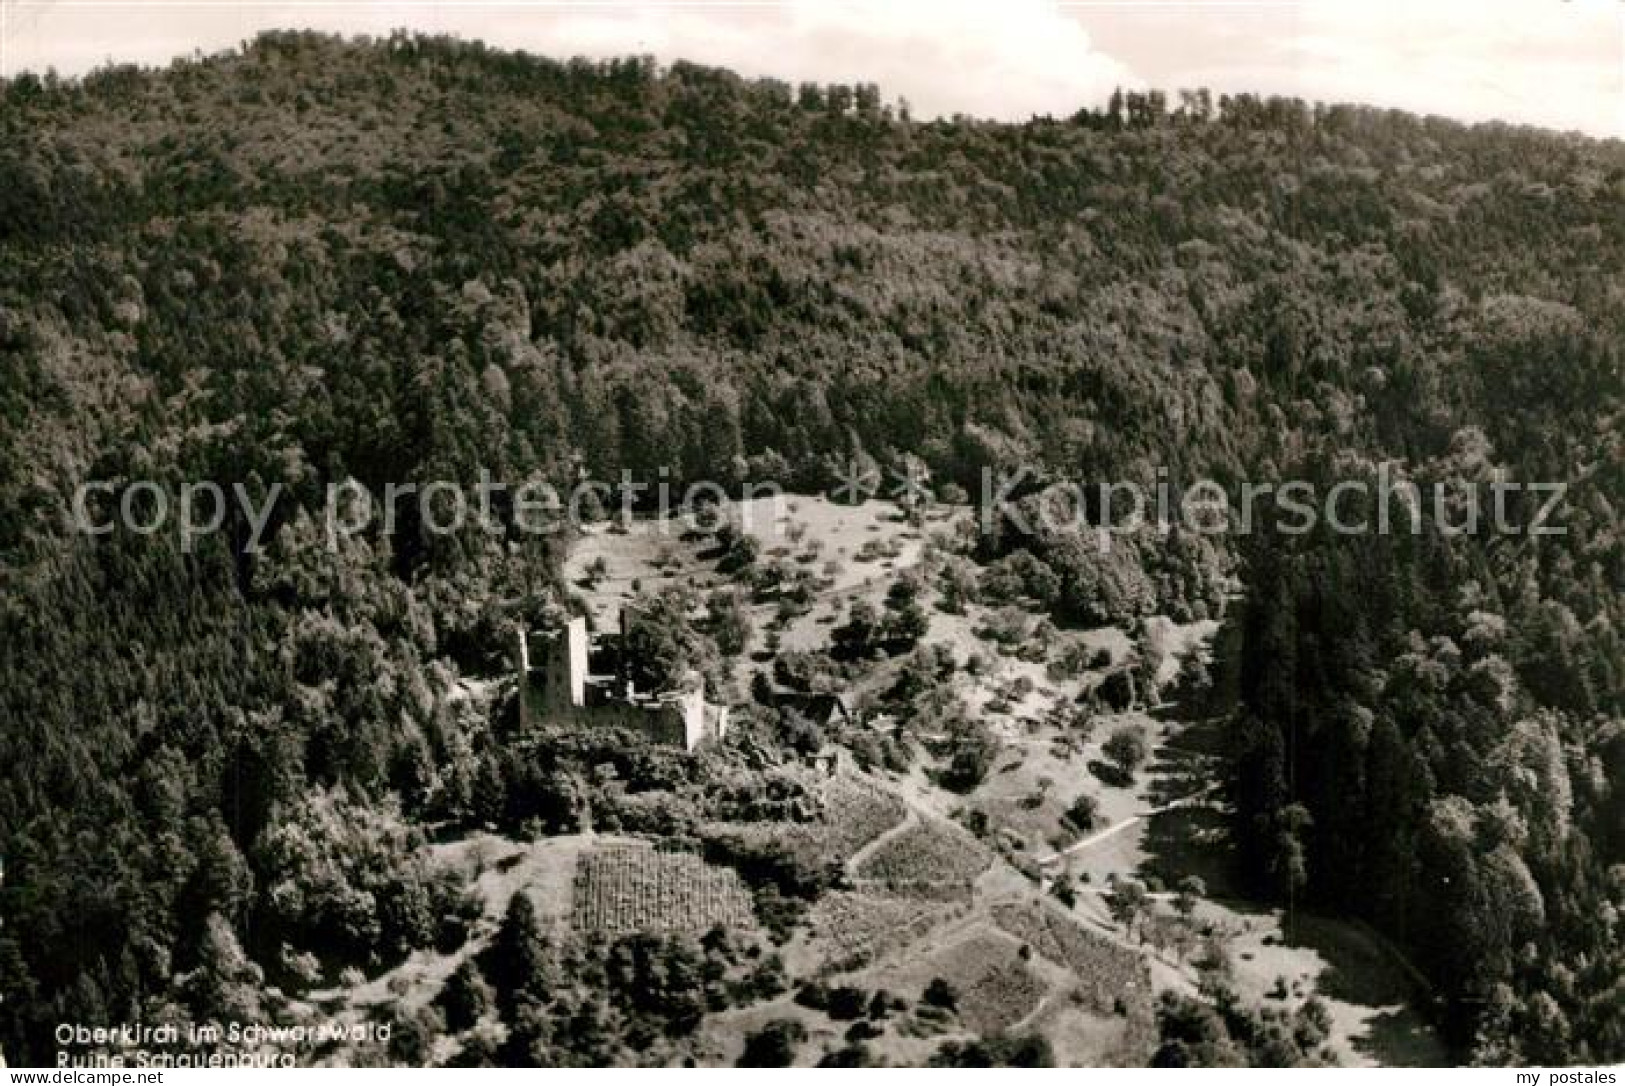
(312,261)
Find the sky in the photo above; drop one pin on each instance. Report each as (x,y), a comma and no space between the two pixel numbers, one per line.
(1555,63)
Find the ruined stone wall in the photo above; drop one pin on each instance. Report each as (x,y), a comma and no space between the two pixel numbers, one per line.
(552,688)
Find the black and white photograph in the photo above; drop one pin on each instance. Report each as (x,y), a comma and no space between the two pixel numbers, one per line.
(586,534)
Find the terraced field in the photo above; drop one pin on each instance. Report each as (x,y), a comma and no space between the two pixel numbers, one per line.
(1107,973)
(930,860)
(633,888)
(854,929)
(856,811)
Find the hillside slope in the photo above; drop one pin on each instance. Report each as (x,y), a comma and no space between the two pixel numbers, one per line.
(409,260)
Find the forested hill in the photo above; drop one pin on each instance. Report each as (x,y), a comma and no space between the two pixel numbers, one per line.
(411,259)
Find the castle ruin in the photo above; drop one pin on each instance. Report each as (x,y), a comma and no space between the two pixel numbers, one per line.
(557,685)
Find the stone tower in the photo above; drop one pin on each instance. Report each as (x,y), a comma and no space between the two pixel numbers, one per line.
(552,672)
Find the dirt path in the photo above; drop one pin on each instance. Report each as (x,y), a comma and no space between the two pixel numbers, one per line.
(1119,827)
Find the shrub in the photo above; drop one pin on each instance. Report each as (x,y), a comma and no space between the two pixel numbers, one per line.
(1084,812)
(465,998)
(813,994)
(847,1003)
(856,1054)
(1128,748)
(774,1045)
(941,993)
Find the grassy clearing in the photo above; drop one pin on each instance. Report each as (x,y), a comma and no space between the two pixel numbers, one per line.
(855,550)
(996,986)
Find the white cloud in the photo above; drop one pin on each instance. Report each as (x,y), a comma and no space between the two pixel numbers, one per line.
(1009,60)
(1559,63)
(1006,60)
